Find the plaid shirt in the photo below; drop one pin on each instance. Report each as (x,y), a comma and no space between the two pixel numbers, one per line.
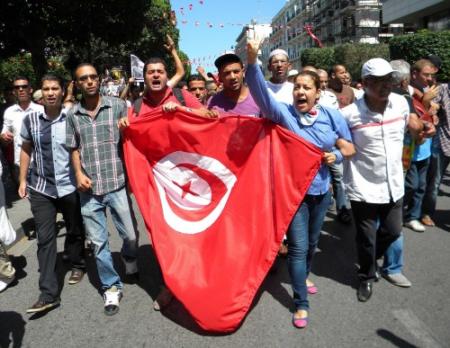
(98,140)
(443,99)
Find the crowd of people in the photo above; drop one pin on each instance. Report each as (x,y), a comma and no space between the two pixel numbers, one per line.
(385,142)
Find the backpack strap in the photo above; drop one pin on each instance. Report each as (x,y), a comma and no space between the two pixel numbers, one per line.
(178,93)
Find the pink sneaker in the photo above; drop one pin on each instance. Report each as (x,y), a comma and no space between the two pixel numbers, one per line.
(300,323)
(312,289)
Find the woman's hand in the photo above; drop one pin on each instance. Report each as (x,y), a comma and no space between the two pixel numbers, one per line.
(328,158)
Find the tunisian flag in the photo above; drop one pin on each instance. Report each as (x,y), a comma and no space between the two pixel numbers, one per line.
(217,196)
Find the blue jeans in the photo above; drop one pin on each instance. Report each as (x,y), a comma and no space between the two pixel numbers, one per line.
(415,186)
(393,257)
(337,180)
(303,235)
(438,164)
(93,209)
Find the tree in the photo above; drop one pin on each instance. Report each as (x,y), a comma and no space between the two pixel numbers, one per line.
(101,32)
(421,45)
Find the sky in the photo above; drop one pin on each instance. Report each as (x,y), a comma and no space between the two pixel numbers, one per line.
(212,26)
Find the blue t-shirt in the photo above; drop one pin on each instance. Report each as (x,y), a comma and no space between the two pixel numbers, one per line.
(422,151)
(329,126)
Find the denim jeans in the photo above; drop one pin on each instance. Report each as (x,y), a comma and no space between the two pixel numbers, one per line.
(303,235)
(415,186)
(438,164)
(393,257)
(93,209)
(337,176)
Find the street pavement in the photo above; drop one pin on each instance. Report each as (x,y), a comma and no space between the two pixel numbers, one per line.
(393,317)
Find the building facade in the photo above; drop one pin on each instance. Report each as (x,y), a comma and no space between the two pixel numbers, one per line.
(333,22)
(429,14)
(259,32)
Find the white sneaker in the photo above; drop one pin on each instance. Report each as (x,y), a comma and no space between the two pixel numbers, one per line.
(130,266)
(397,279)
(4,282)
(415,225)
(112,297)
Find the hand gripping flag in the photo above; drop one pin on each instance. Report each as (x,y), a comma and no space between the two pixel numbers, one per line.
(216,196)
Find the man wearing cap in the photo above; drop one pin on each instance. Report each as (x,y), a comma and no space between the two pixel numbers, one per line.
(292,74)
(235,97)
(374,175)
(278,84)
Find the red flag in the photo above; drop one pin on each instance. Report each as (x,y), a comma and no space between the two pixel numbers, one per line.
(217,196)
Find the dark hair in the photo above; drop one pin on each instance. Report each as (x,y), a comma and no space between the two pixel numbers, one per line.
(312,75)
(181,84)
(227,58)
(81,65)
(20,77)
(195,77)
(334,67)
(52,77)
(154,60)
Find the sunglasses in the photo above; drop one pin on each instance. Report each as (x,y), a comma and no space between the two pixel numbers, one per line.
(21,87)
(84,78)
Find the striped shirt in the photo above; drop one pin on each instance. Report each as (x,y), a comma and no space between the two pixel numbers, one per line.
(99,143)
(50,171)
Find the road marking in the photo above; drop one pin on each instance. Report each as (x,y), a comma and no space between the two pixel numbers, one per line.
(416,327)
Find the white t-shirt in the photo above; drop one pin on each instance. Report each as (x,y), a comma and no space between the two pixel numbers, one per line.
(282,92)
(328,99)
(12,122)
(375,173)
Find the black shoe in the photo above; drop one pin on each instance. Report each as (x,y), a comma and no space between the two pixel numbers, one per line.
(42,305)
(364,291)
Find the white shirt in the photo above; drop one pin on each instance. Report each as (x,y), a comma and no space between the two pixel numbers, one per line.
(282,92)
(12,122)
(328,99)
(375,173)
(359,93)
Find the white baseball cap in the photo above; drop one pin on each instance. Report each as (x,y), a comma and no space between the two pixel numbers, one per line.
(376,67)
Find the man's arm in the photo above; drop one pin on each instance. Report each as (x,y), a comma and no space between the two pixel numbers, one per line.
(25,155)
(83,182)
(6,136)
(179,72)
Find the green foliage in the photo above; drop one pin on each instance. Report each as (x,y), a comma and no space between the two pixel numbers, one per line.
(413,47)
(321,58)
(19,65)
(104,33)
(352,56)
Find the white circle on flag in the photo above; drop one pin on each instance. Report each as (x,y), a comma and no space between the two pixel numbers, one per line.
(179,183)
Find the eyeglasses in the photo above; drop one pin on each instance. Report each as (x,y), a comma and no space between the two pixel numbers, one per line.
(84,78)
(20,86)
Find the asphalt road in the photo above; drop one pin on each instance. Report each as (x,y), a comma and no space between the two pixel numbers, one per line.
(394,317)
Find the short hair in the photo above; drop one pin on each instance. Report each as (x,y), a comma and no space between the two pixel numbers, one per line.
(20,77)
(313,75)
(226,59)
(402,70)
(335,66)
(422,63)
(196,77)
(321,71)
(52,77)
(154,60)
(309,68)
(81,65)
